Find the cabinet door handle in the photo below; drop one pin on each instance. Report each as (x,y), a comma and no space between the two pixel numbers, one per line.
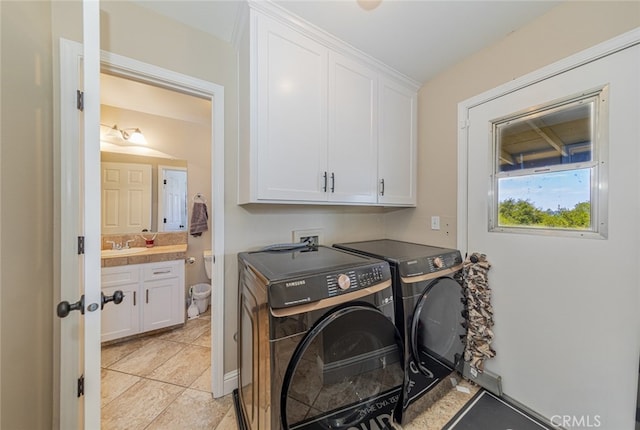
(333,182)
(147,294)
(324,177)
(161,272)
(134,298)
(382,187)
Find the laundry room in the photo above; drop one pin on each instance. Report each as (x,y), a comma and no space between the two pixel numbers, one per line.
(554,297)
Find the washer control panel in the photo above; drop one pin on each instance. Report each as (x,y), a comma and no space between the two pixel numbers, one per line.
(293,292)
(430,264)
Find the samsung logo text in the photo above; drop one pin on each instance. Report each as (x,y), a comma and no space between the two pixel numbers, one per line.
(295,283)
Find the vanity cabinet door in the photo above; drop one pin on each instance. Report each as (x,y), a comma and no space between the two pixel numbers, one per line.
(123,319)
(163,295)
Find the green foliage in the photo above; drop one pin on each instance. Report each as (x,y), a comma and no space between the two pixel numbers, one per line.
(519,212)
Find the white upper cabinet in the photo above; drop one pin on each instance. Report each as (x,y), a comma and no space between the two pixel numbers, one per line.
(291,110)
(352,166)
(397,144)
(317,116)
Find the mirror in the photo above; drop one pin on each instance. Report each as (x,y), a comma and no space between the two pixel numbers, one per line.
(132,209)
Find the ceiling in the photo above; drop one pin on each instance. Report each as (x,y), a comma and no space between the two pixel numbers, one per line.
(419,38)
(140,97)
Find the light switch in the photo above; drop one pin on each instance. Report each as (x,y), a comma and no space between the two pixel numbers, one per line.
(435,223)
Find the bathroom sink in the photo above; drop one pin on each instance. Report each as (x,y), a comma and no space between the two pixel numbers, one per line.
(121,252)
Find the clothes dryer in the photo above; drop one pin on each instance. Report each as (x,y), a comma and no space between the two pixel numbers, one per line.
(317,344)
(429,311)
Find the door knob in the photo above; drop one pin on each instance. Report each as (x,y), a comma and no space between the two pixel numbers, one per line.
(116,298)
(64,308)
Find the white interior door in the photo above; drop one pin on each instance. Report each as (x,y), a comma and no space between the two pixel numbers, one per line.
(71,327)
(80,217)
(566,329)
(126,197)
(172,199)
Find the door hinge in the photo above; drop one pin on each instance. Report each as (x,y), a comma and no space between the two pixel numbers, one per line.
(464,124)
(80,245)
(80,100)
(81,386)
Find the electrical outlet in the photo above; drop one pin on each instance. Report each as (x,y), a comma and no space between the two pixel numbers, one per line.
(313,236)
(435,223)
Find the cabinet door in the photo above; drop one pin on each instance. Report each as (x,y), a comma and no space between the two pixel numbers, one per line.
(397,155)
(290,84)
(159,300)
(123,319)
(352,155)
(163,295)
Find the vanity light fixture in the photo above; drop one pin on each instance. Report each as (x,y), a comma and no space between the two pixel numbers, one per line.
(136,137)
(122,135)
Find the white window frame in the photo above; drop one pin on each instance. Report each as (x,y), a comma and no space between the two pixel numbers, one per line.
(598,166)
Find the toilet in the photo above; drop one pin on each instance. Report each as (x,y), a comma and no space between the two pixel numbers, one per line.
(202,292)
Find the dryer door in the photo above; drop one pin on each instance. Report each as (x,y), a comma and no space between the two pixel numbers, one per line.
(347,370)
(437,330)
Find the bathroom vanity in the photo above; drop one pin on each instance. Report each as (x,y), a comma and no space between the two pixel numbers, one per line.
(153,294)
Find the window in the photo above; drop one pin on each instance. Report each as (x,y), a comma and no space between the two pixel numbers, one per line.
(549,172)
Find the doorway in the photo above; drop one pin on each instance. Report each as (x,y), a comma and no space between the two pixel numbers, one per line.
(175,155)
(142,72)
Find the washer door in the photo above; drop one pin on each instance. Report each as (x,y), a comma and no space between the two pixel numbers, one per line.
(348,369)
(437,330)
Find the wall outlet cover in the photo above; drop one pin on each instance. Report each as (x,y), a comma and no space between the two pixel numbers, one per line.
(300,235)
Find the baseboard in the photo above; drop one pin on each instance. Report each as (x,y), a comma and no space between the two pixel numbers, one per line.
(486,379)
(531,412)
(230,382)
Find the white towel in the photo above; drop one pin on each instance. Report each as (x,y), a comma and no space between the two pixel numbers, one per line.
(199,218)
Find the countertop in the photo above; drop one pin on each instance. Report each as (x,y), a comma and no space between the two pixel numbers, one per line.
(148,255)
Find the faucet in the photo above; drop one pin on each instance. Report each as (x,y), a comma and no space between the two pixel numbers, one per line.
(114,245)
(126,244)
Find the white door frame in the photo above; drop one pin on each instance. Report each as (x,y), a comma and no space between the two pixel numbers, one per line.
(69,53)
(592,54)
(134,69)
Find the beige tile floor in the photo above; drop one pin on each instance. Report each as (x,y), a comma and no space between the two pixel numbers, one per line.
(163,382)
